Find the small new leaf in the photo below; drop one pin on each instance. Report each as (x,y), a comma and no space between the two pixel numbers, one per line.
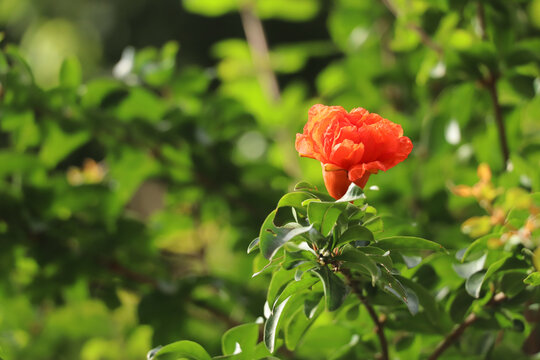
(353,193)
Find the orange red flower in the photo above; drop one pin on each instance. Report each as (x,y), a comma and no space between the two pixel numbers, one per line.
(351,146)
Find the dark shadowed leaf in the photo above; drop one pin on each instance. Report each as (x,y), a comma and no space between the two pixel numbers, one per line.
(353,257)
(334,288)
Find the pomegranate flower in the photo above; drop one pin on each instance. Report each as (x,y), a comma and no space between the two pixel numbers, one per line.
(351,146)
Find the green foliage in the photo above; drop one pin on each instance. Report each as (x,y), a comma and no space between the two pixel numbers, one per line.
(127,201)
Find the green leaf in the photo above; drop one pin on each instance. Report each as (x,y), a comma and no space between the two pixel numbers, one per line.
(355,233)
(271,325)
(246,335)
(298,10)
(353,193)
(311,304)
(181,350)
(273,238)
(354,257)
(307,187)
(374,224)
(323,215)
(294,259)
(473,285)
(478,245)
(295,200)
(297,325)
(296,286)
(426,299)
(253,245)
(460,305)
(335,290)
(58,144)
(279,281)
(533,279)
(140,104)
(411,261)
(210,7)
(408,243)
(304,185)
(393,286)
(412,301)
(378,255)
(70,73)
(467,269)
(512,283)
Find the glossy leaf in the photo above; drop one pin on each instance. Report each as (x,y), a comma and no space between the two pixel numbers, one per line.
(295,199)
(354,257)
(272,238)
(334,288)
(474,283)
(245,335)
(253,245)
(353,193)
(271,325)
(408,243)
(182,349)
(467,269)
(355,233)
(323,215)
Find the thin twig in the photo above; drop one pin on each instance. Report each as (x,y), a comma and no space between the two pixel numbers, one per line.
(379,329)
(491,85)
(459,330)
(481,20)
(258,47)
(424,37)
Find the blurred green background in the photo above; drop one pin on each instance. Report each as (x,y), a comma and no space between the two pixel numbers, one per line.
(142,144)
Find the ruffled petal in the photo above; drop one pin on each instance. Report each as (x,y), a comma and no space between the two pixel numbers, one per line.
(346,154)
(307,148)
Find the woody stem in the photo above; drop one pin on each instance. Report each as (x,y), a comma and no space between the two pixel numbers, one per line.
(379,329)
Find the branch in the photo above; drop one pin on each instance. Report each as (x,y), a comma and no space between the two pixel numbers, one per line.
(258,47)
(378,323)
(458,331)
(491,85)
(424,37)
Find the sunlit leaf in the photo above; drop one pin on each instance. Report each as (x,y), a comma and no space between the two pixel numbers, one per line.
(407,243)
(182,349)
